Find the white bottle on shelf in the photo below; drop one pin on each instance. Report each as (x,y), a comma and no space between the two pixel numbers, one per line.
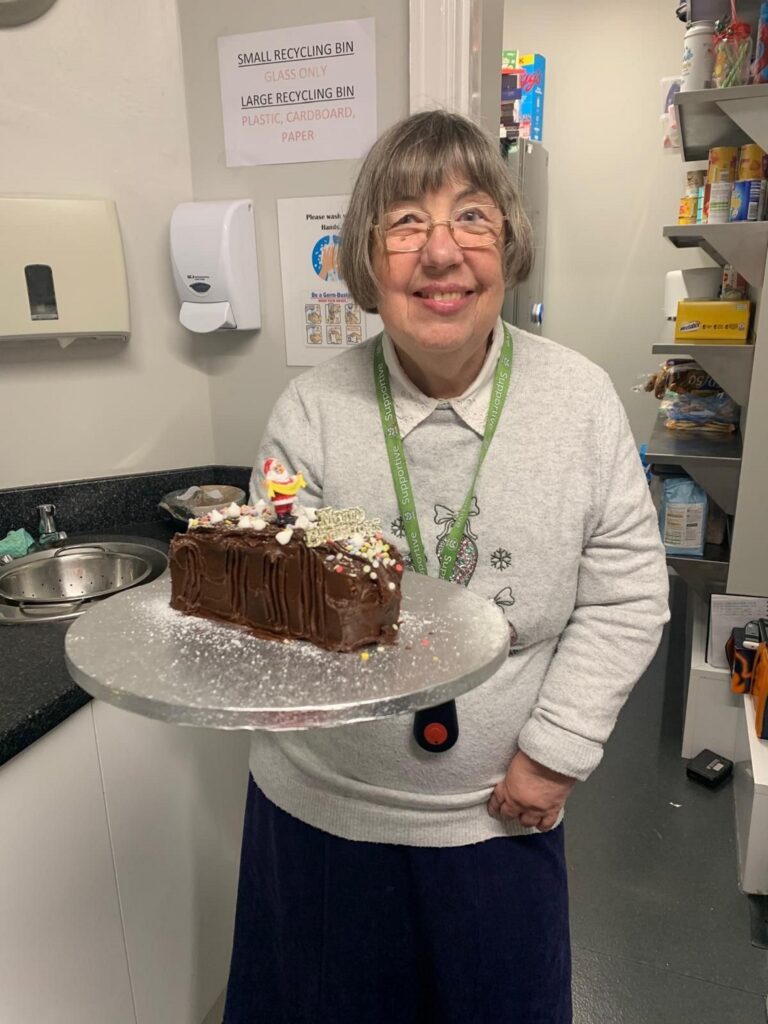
(698,56)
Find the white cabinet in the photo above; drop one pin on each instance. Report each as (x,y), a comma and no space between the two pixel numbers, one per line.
(713,713)
(751,798)
(118,871)
(175,799)
(62,955)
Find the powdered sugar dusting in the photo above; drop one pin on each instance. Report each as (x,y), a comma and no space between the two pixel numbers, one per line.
(137,651)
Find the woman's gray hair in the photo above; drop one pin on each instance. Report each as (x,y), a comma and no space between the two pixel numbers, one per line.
(417,155)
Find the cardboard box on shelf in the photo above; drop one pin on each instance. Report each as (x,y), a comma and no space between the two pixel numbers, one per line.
(532,82)
(716,322)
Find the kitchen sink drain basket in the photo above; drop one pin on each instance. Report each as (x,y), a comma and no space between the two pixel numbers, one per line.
(70,574)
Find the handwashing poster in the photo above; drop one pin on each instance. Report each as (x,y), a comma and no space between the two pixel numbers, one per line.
(321,317)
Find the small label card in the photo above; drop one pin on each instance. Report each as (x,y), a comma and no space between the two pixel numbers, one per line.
(339,524)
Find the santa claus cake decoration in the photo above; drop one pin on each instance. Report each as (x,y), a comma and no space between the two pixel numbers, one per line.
(281,488)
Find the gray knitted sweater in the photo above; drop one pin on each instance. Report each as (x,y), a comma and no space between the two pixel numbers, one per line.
(563,537)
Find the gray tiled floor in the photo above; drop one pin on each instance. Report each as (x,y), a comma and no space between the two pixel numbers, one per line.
(660,930)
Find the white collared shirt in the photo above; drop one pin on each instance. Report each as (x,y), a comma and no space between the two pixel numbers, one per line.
(413,406)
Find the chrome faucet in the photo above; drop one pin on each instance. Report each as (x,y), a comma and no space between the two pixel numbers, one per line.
(50,535)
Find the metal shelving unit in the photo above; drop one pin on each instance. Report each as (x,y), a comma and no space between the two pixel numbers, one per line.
(734,471)
(713,462)
(705,575)
(721,117)
(743,245)
(709,118)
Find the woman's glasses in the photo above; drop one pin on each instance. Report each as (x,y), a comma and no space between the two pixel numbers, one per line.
(471,227)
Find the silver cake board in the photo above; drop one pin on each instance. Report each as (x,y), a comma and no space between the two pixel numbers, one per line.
(134,651)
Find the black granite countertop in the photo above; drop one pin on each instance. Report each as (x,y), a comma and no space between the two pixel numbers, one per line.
(36,690)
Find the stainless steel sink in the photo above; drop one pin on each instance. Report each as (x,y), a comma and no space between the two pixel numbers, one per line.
(61,583)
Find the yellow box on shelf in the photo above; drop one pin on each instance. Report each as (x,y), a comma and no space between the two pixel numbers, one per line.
(723,322)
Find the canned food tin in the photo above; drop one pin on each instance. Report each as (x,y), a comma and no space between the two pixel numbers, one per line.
(717,202)
(723,162)
(694,180)
(748,199)
(752,162)
(686,213)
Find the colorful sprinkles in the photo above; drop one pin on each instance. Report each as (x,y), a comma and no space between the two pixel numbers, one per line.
(370,547)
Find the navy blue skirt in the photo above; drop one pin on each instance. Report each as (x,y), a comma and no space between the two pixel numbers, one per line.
(330,931)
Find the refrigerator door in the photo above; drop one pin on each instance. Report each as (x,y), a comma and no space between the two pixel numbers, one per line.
(524,304)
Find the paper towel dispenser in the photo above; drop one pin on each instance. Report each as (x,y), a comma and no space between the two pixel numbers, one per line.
(213,251)
(62,273)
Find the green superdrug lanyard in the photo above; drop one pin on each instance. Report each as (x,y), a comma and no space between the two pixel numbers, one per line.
(399,467)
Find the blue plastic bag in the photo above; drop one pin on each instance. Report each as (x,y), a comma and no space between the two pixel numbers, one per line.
(683,516)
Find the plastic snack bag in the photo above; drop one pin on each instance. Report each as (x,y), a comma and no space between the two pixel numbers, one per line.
(716,412)
(690,398)
(683,516)
(679,375)
(671,139)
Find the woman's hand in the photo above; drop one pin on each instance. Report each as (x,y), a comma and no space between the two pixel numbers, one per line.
(530,792)
(329,262)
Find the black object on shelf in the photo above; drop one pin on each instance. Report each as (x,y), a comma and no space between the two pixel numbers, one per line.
(709,768)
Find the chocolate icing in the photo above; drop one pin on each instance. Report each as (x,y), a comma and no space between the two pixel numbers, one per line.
(288,591)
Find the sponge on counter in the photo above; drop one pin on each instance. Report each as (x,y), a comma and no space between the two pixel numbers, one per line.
(16,543)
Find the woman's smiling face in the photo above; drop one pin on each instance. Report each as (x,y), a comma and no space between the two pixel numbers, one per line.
(443,298)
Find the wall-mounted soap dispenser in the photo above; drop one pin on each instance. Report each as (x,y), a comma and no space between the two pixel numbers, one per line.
(62,273)
(213,251)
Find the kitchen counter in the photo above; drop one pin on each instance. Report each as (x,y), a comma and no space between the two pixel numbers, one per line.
(36,691)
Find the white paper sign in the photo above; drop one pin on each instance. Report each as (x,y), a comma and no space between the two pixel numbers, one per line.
(321,317)
(297,94)
(726,612)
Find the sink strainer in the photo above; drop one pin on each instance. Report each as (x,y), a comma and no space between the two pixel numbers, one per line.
(71,574)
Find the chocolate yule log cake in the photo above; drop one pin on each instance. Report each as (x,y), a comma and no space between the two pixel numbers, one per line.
(327,576)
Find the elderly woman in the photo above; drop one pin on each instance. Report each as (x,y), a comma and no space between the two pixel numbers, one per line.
(381,882)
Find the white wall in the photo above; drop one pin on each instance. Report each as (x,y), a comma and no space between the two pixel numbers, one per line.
(612,187)
(92,104)
(248,371)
